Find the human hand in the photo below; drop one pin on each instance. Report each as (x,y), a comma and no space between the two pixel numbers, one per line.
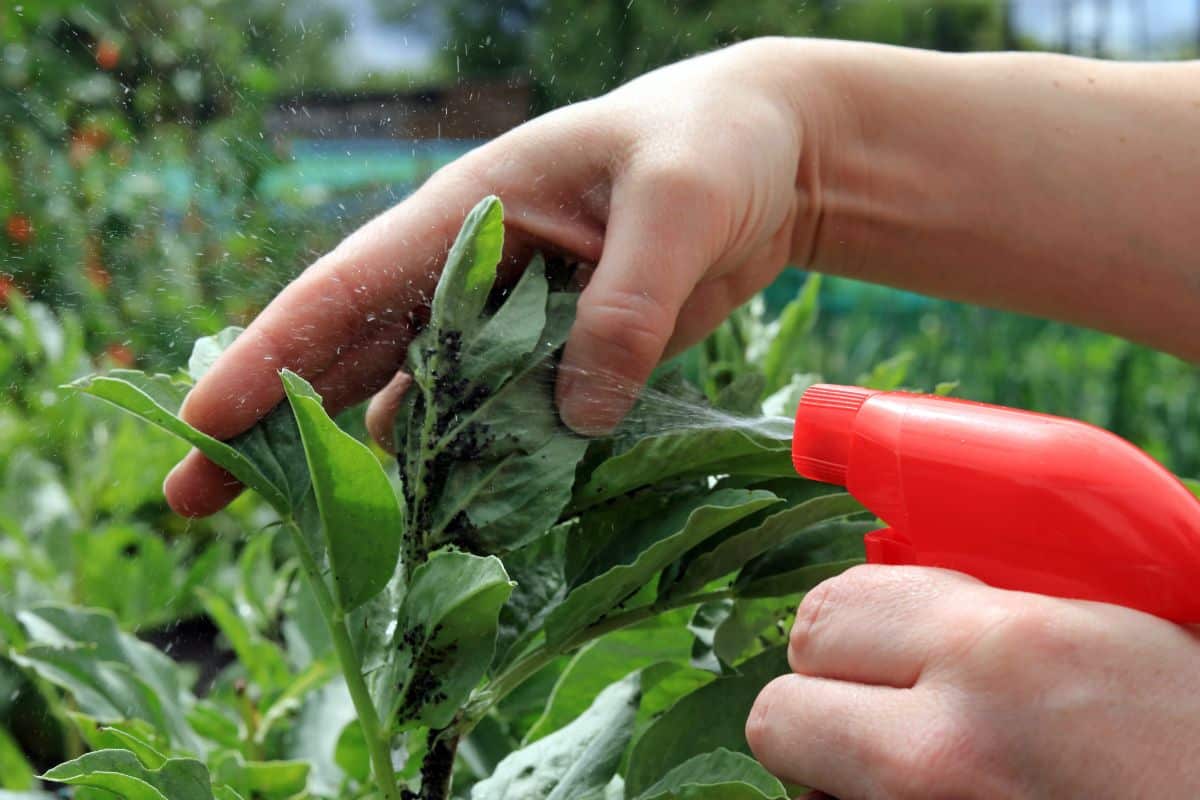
(922,683)
(690,188)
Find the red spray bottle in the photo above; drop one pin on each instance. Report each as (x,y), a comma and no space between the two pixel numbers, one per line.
(1017,499)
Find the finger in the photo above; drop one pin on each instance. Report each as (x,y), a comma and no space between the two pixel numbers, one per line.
(654,254)
(829,735)
(878,624)
(197,487)
(381,413)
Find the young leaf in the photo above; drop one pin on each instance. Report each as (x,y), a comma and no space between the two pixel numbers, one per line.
(804,561)
(470,268)
(684,454)
(785,354)
(156,399)
(360,516)
(709,718)
(505,340)
(112,675)
(631,561)
(606,661)
(208,349)
(577,761)
(120,772)
(736,551)
(445,637)
(719,775)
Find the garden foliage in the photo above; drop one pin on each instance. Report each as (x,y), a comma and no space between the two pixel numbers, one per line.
(530,613)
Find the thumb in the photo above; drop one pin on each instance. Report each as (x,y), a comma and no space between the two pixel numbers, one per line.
(654,254)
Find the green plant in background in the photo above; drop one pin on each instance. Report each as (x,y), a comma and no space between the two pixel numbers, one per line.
(557,617)
(131,150)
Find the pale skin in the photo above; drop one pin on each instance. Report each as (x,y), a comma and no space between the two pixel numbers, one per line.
(1061,187)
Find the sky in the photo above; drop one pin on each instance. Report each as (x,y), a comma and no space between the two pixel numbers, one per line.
(373,45)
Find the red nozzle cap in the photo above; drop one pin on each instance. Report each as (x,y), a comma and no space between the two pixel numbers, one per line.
(824,424)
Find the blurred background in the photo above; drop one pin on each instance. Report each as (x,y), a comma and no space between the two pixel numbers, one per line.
(167,166)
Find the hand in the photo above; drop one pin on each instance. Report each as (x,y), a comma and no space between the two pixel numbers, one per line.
(921,683)
(691,187)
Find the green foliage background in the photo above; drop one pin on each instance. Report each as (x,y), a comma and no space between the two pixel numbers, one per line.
(132,156)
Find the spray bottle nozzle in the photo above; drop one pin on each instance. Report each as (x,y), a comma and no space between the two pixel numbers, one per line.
(824,427)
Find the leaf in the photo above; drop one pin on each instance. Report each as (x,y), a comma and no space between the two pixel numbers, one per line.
(156,399)
(631,561)
(784,401)
(888,374)
(537,570)
(518,500)
(445,637)
(208,349)
(120,772)
(314,735)
(786,353)
(605,661)
(263,660)
(704,624)
(120,737)
(685,454)
(752,624)
(804,561)
(719,775)
(512,333)
(261,779)
(577,761)
(736,551)
(112,675)
(714,716)
(470,268)
(360,516)
(15,771)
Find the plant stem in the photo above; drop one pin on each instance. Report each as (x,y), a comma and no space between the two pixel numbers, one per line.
(377,738)
(437,769)
(525,667)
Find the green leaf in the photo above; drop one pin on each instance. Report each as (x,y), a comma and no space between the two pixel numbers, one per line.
(705,623)
(260,779)
(712,717)
(470,269)
(786,354)
(112,675)
(121,737)
(156,399)
(263,660)
(577,761)
(687,453)
(754,624)
(801,563)
(629,562)
(605,661)
(505,340)
(120,772)
(519,499)
(15,771)
(360,516)
(888,374)
(736,551)
(208,349)
(719,775)
(538,571)
(445,637)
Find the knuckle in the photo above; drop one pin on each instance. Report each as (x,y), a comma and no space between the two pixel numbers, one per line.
(760,723)
(634,325)
(678,178)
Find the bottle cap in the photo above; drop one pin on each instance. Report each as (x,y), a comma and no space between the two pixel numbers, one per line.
(824,424)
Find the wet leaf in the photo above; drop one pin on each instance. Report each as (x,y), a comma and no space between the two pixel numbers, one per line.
(719,775)
(629,562)
(360,517)
(575,762)
(445,637)
(710,718)
(120,772)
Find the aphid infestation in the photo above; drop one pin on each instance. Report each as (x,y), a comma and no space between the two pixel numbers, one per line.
(503,546)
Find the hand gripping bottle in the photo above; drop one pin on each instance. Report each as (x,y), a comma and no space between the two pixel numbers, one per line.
(1017,499)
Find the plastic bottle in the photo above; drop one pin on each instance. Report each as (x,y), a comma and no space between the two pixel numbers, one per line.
(1019,500)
